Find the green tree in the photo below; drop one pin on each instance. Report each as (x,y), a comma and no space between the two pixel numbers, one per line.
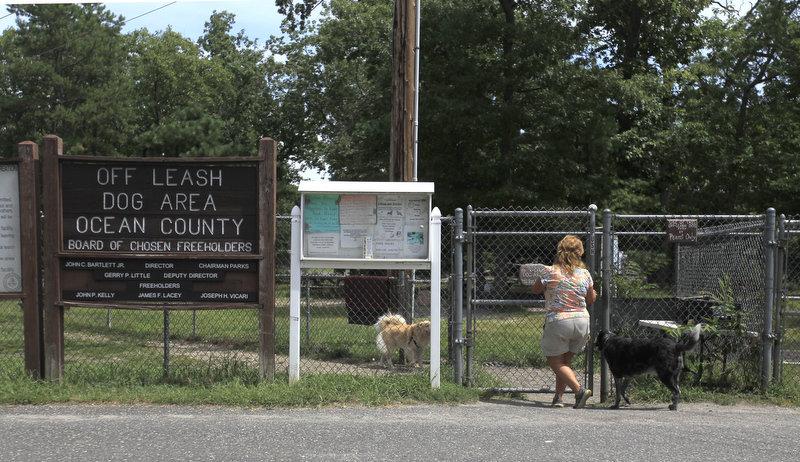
(175,93)
(239,90)
(335,90)
(63,71)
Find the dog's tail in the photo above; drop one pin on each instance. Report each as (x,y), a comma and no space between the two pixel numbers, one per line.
(689,339)
(388,319)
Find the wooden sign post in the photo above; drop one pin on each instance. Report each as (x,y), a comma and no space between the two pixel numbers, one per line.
(19,225)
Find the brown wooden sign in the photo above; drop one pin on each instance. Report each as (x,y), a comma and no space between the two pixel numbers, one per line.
(158,233)
(153,210)
(682,230)
(166,207)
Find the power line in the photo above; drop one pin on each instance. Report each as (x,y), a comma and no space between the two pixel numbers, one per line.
(154,9)
(87,33)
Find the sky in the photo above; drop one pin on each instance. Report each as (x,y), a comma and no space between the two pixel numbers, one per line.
(259,19)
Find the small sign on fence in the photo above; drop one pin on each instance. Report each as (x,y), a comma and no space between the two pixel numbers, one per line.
(10,263)
(682,230)
(530,273)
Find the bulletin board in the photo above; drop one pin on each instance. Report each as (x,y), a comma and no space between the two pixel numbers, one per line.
(365,222)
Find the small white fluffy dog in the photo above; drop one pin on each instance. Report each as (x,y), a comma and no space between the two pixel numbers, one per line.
(395,333)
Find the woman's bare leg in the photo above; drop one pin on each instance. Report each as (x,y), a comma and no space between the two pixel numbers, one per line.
(561,385)
(565,377)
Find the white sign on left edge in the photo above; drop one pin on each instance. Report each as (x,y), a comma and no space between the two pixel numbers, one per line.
(10,260)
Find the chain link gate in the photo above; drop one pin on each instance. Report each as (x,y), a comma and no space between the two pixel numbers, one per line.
(786,366)
(725,277)
(504,320)
(719,279)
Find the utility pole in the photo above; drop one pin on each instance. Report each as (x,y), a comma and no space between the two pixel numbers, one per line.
(401,144)
(401,141)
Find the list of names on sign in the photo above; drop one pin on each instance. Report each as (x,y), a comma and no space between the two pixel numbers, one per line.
(10,260)
(141,207)
(125,280)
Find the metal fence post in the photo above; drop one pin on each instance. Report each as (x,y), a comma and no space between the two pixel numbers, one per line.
(676,264)
(769,281)
(606,317)
(469,341)
(780,262)
(590,259)
(458,296)
(435,233)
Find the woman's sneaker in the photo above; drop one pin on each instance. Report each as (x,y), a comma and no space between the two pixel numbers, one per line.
(581,397)
(557,401)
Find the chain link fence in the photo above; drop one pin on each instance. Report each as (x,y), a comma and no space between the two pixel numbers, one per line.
(719,280)
(339,309)
(504,319)
(205,346)
(12,358)
(151,346)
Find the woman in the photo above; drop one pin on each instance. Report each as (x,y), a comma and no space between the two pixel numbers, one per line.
(568,290)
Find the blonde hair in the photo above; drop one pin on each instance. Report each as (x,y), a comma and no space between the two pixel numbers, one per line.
(568,254)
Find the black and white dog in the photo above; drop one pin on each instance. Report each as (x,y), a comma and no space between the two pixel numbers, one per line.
(627,357)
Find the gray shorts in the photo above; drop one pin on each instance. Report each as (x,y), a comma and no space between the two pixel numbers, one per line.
(565,335)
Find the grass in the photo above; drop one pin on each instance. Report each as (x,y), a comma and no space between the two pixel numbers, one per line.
(312,390)
(650,390)
(212,360)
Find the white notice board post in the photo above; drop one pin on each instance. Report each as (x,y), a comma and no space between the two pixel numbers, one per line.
(294,299)
(436,292)
(365,225)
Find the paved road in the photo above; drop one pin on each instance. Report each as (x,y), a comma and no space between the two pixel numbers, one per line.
(497,430)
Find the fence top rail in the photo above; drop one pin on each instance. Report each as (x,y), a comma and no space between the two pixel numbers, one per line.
(528,233)
(531,302)
(704,217)
(530,213)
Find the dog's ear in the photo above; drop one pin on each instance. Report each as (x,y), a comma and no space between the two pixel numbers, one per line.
(601,339)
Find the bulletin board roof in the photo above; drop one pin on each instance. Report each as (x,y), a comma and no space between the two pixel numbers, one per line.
(365,187)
